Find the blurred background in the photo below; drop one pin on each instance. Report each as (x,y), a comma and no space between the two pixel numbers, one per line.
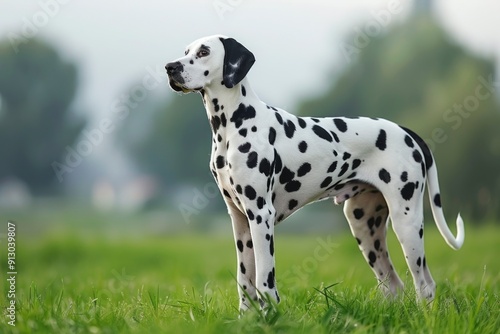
(90,132)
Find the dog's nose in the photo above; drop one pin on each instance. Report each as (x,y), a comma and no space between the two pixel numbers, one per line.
(175,67)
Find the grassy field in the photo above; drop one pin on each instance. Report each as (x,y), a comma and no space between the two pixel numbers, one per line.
(74,281)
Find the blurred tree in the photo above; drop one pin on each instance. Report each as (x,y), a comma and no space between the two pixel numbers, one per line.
(176,146)
(37,88)
(414,75)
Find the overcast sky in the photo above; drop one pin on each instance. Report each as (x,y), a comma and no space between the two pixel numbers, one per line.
(296,43)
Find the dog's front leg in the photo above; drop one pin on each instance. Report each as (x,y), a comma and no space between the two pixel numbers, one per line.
(245,256)
(262,229)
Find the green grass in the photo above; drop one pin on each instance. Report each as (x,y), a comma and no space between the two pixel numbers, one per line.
(72,282)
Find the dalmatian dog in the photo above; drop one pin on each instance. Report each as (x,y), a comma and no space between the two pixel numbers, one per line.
(269,163)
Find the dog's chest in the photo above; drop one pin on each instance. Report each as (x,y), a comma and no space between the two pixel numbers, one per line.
(221,168)
(237,167)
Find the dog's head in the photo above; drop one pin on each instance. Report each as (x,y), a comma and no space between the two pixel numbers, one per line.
(210,60)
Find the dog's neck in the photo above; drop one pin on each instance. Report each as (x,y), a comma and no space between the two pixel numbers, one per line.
(217,98)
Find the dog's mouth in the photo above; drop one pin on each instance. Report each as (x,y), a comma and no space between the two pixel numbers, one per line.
(178,87)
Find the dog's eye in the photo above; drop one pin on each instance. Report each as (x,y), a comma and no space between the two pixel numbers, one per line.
(202,53)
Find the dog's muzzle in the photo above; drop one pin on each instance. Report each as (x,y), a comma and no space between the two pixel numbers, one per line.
(176,81)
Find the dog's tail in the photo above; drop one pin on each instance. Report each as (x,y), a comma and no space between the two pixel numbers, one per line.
(437,212)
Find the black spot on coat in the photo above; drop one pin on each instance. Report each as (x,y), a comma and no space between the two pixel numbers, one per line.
(270,279)
(250,192)
(286,175)
(252,159)
(271,245)
(371,222)
(215,121)
(279,118)
(278,164)
(335,137)
(381,142)
(344,169)
(304,169)
(260,202)
(244,148)
(303,147)
(293,186)
(417,156)
(241,114)
(289,128)
(340,124)
(356,163)
(220,162)
(404,176)
(437,200)
(332,167)
(372,258)
(302,123)
(272,136)
(265,167)
(223,120)
(407,191)
(409,141)
(322,133)
(358,213)
(326,182)
(384,175)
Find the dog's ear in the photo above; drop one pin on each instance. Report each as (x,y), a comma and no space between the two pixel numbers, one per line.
(237,62)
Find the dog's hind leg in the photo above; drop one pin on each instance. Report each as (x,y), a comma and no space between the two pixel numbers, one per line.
(409,230)
(367,215)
